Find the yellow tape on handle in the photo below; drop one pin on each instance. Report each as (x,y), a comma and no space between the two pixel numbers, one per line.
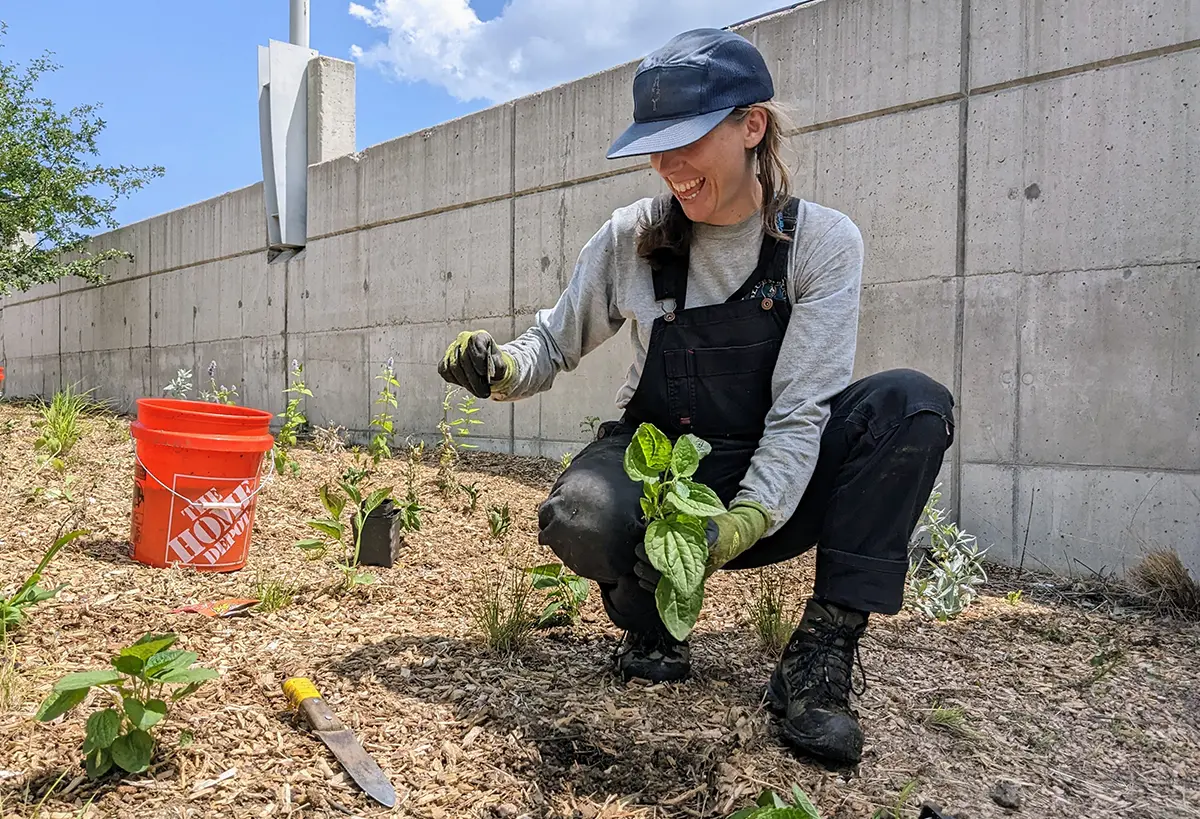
(299,689)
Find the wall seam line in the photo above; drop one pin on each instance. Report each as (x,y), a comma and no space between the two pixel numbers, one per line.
(512,256)
(960,242)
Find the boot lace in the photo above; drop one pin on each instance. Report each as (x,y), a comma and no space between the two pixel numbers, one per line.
(826,656)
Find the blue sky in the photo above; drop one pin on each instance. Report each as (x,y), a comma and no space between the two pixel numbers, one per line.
(178,80)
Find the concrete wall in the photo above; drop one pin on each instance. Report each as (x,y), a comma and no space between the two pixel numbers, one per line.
(1024,174)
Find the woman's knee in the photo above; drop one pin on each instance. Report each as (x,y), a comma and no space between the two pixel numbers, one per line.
(591,519)
(894,396)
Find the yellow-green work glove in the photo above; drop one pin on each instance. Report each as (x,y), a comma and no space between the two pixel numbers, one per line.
(476,362)
(734,532)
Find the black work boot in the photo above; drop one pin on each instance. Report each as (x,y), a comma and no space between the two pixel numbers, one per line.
(810,687)
(652,655)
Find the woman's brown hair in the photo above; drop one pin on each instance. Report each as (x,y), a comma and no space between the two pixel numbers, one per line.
(671,230)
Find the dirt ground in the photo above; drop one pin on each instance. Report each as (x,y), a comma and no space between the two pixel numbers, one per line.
(1090,708)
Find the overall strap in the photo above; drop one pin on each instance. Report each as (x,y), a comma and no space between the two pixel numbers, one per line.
(773,255)
(669,267)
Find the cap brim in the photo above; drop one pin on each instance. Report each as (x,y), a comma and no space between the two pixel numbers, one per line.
(665,135)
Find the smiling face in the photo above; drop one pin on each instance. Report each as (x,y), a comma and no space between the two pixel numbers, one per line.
(713,178)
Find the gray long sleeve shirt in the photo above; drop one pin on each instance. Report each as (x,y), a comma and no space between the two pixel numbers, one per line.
(611,285)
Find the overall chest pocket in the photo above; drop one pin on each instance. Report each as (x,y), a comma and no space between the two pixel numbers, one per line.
(721,391)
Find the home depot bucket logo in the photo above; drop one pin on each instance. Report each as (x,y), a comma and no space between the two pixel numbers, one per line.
(201,535)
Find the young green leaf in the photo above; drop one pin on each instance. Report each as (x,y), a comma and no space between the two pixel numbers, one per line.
(82,680)
(163,661)
(677,610)
(332,501)
(579,588)
(677,548)
(330,528)
(685,458)
(695,499)
(546,570)
(60,703)
(311,543)
(186,691)
(133,666)
(133,751)
(188,675)
(101,730)
(648,454)
(801,802)
(149,645)
(375,498)
(145,715)
(98,762)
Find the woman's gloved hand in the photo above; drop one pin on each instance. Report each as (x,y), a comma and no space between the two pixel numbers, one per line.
(476,362)
(729,535)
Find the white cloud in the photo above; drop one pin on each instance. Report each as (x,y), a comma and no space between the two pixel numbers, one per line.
(533,44)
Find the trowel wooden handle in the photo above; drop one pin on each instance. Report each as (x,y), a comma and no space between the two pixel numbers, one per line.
(303,696)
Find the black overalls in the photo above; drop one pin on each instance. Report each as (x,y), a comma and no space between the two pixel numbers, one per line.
(708,371)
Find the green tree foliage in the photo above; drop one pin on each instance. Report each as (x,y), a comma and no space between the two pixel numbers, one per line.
(52,192)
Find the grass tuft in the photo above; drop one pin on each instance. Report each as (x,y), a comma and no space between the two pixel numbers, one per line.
(770,614)
(12,686)
(59,423)
(1162,576)
(501,611)
(274,595)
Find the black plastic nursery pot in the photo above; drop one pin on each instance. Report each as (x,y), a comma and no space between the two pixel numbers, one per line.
(382,536)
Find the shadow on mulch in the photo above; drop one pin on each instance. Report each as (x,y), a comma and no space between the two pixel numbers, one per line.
(595,751)
(107,551)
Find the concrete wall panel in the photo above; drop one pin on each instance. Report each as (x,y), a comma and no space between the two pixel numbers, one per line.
(106,318)
(328,286)
(1019,38)
(835,60)
(897,178)
(564,133)
(31,329)
(908,324)
(333,196)
(213,229)
(450,266)
(336,370)
(1086,172)
(1112,361)
(26,377)
(553,227)
(988,405)
(133,239)
(119,377)
(1097,520)
(461,161)
(987,510)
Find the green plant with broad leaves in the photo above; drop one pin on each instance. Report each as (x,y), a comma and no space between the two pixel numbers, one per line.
(143,679)
(379,447)
(771,805)
(293,421)
(948,569)
(14,609)
(676,509)
(332,530)
(449,446)
(499,521)
(565,593)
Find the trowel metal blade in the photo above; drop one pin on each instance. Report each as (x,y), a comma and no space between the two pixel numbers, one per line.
(359,764)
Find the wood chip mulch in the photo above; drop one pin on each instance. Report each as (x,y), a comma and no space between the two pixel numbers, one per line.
(1068,708)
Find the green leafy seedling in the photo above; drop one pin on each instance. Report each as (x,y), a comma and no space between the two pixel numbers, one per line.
(565,593)
(379,447)
(141,683)
(332,530)
(293,421)
(676,509)
(770,805)
(14,609)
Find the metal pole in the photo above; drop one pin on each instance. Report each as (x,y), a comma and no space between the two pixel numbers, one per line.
(298,34)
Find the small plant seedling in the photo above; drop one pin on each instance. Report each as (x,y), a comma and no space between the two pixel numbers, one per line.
(1014,597)
(410,515)
(952,720)
(333,531)
(215,394)
(293,421)
(499,521)
(379,447)
(416,454)
(273,595)
(448,449)
(471,490)
(771,805)
(565,594)
(180,385)
(773,620)
(501,611)
(59,424)
(138,683)
(944,590)
(676,509)
(14,609)
(565,460)
(897,810)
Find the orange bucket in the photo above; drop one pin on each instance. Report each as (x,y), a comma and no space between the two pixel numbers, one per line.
(196,477)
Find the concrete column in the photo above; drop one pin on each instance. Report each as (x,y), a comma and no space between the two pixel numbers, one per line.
(330,109)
